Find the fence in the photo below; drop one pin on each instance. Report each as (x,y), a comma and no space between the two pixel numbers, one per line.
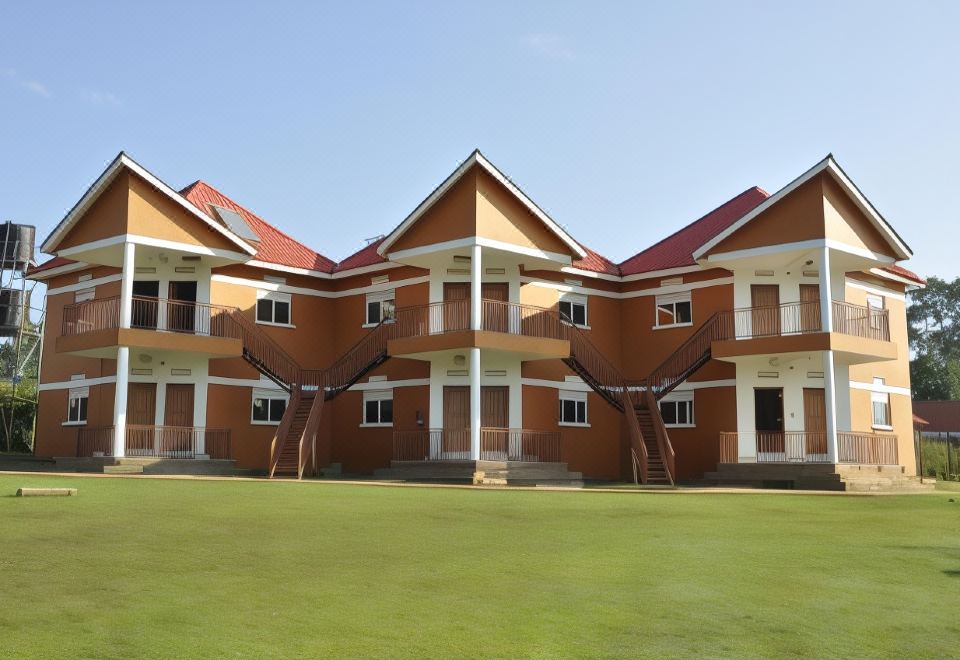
(938,455)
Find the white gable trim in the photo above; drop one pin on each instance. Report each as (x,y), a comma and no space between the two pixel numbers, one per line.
(123,161)
(59,270)
(828,164)
(476,158)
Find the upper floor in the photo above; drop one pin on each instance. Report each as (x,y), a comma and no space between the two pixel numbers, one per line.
(477,263)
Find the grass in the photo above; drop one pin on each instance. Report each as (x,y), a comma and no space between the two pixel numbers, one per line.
(136,567)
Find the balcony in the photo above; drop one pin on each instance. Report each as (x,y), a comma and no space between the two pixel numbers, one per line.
(156,442)
(92,328)
(860,333)
(531,333)
(496,444)
(809,447)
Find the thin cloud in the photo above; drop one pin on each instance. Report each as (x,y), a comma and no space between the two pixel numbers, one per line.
(37,88)
(547,45)
(103,98)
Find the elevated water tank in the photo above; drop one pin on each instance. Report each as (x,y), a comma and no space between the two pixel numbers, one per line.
(11,311)
(16,246)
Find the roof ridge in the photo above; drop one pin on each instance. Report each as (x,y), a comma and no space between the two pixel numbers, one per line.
(690,224)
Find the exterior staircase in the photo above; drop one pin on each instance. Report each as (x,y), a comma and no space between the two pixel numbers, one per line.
(656,468)
(288,458)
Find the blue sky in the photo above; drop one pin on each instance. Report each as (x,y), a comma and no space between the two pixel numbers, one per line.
(624,121)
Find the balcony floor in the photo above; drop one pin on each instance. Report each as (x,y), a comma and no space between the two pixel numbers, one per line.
(525,348)
(104,343)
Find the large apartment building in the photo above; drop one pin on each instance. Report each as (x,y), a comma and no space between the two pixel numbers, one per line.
(769,332)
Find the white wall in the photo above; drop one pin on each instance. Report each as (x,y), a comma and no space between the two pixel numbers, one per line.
(488,361)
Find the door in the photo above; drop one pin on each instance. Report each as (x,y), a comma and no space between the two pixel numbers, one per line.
(494,423)
(815,420)
(809,308)
(456,316)
(765,301)
(178,436)
(141,418)
(143,311)
(181,306)
(456,422)
(494,314)
(768,421)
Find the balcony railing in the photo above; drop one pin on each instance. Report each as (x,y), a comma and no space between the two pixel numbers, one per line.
(156,441)
(161,314)
(496,444)
(809,447)
(797,318)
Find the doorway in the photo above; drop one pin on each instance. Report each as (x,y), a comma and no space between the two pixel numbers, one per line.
(456,316)
(456,422)
(495,316)
(809,307)
(815,420)
(765,301)
(178,434)
(141,417)
(143,311)
(768,421)
(181,306)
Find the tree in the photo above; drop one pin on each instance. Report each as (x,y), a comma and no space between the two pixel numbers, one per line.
(933,323)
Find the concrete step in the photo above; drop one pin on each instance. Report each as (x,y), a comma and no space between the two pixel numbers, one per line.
(123,469)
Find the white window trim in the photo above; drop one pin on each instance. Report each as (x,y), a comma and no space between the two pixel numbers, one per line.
(877,396)
(672,299)
(577,299)
(274,296)
(83,295)
(681,397)
(571,395)
(77,393)
(267,394)
(374,395)
(378,297)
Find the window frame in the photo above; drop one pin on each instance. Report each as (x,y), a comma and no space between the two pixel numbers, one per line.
(384,300)
(581,403)
(82,396)
(675,399)
(84,295)
(275,298)
(378,397)
(881,398)
(269,396)
(872,309)
(578,300)
(672,300)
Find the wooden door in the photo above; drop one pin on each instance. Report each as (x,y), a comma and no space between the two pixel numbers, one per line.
(815,420)
(768,421)
(809,307)
(141,417)
(765,301)
(456,316)
(495,407)
(178,410)
(456,421)
(181,308)
(495,315)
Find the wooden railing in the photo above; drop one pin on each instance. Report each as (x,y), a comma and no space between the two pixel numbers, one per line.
(94,441)
(431,445)
(810,447)
(283,429)
(693,353)
(157,441)
(785,319)
(867,448)
(432,319)
(356,361)
(90,316)
(308,441)
(663,439)
(861,321)
(524,445)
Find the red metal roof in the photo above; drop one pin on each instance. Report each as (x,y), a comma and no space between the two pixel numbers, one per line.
(274,247)
(677,249)
(50,264)
(904,273)
(364,257)
(596,262)
(941,416)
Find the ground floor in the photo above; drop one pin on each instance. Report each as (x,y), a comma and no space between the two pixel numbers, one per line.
(446,407)
(665,574)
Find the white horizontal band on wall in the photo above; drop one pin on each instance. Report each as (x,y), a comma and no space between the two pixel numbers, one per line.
(286,288)
(69,384)
(86,284)
(673,288)
(887,389)
(876,290)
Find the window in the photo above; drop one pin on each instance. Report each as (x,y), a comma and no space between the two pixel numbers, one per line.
(380,307)
(880,402)
(84,295)
(77,405)
(268,406)
(378,408)
(676,409)
(273,307)
(674,309)
(876,305)
(573,408)
(573,308)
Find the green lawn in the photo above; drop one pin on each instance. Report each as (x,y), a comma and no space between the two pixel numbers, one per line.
(184,568)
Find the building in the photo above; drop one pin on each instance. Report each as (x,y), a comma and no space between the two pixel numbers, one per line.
(771,331)
(938,417)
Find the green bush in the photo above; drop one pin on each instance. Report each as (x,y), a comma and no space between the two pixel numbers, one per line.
(935,457)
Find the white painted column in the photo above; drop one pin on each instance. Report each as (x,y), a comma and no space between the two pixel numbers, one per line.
(826,305)
(120,400)
(476,281)
(123,353)
(830,401)
(126,285)
(475,403)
